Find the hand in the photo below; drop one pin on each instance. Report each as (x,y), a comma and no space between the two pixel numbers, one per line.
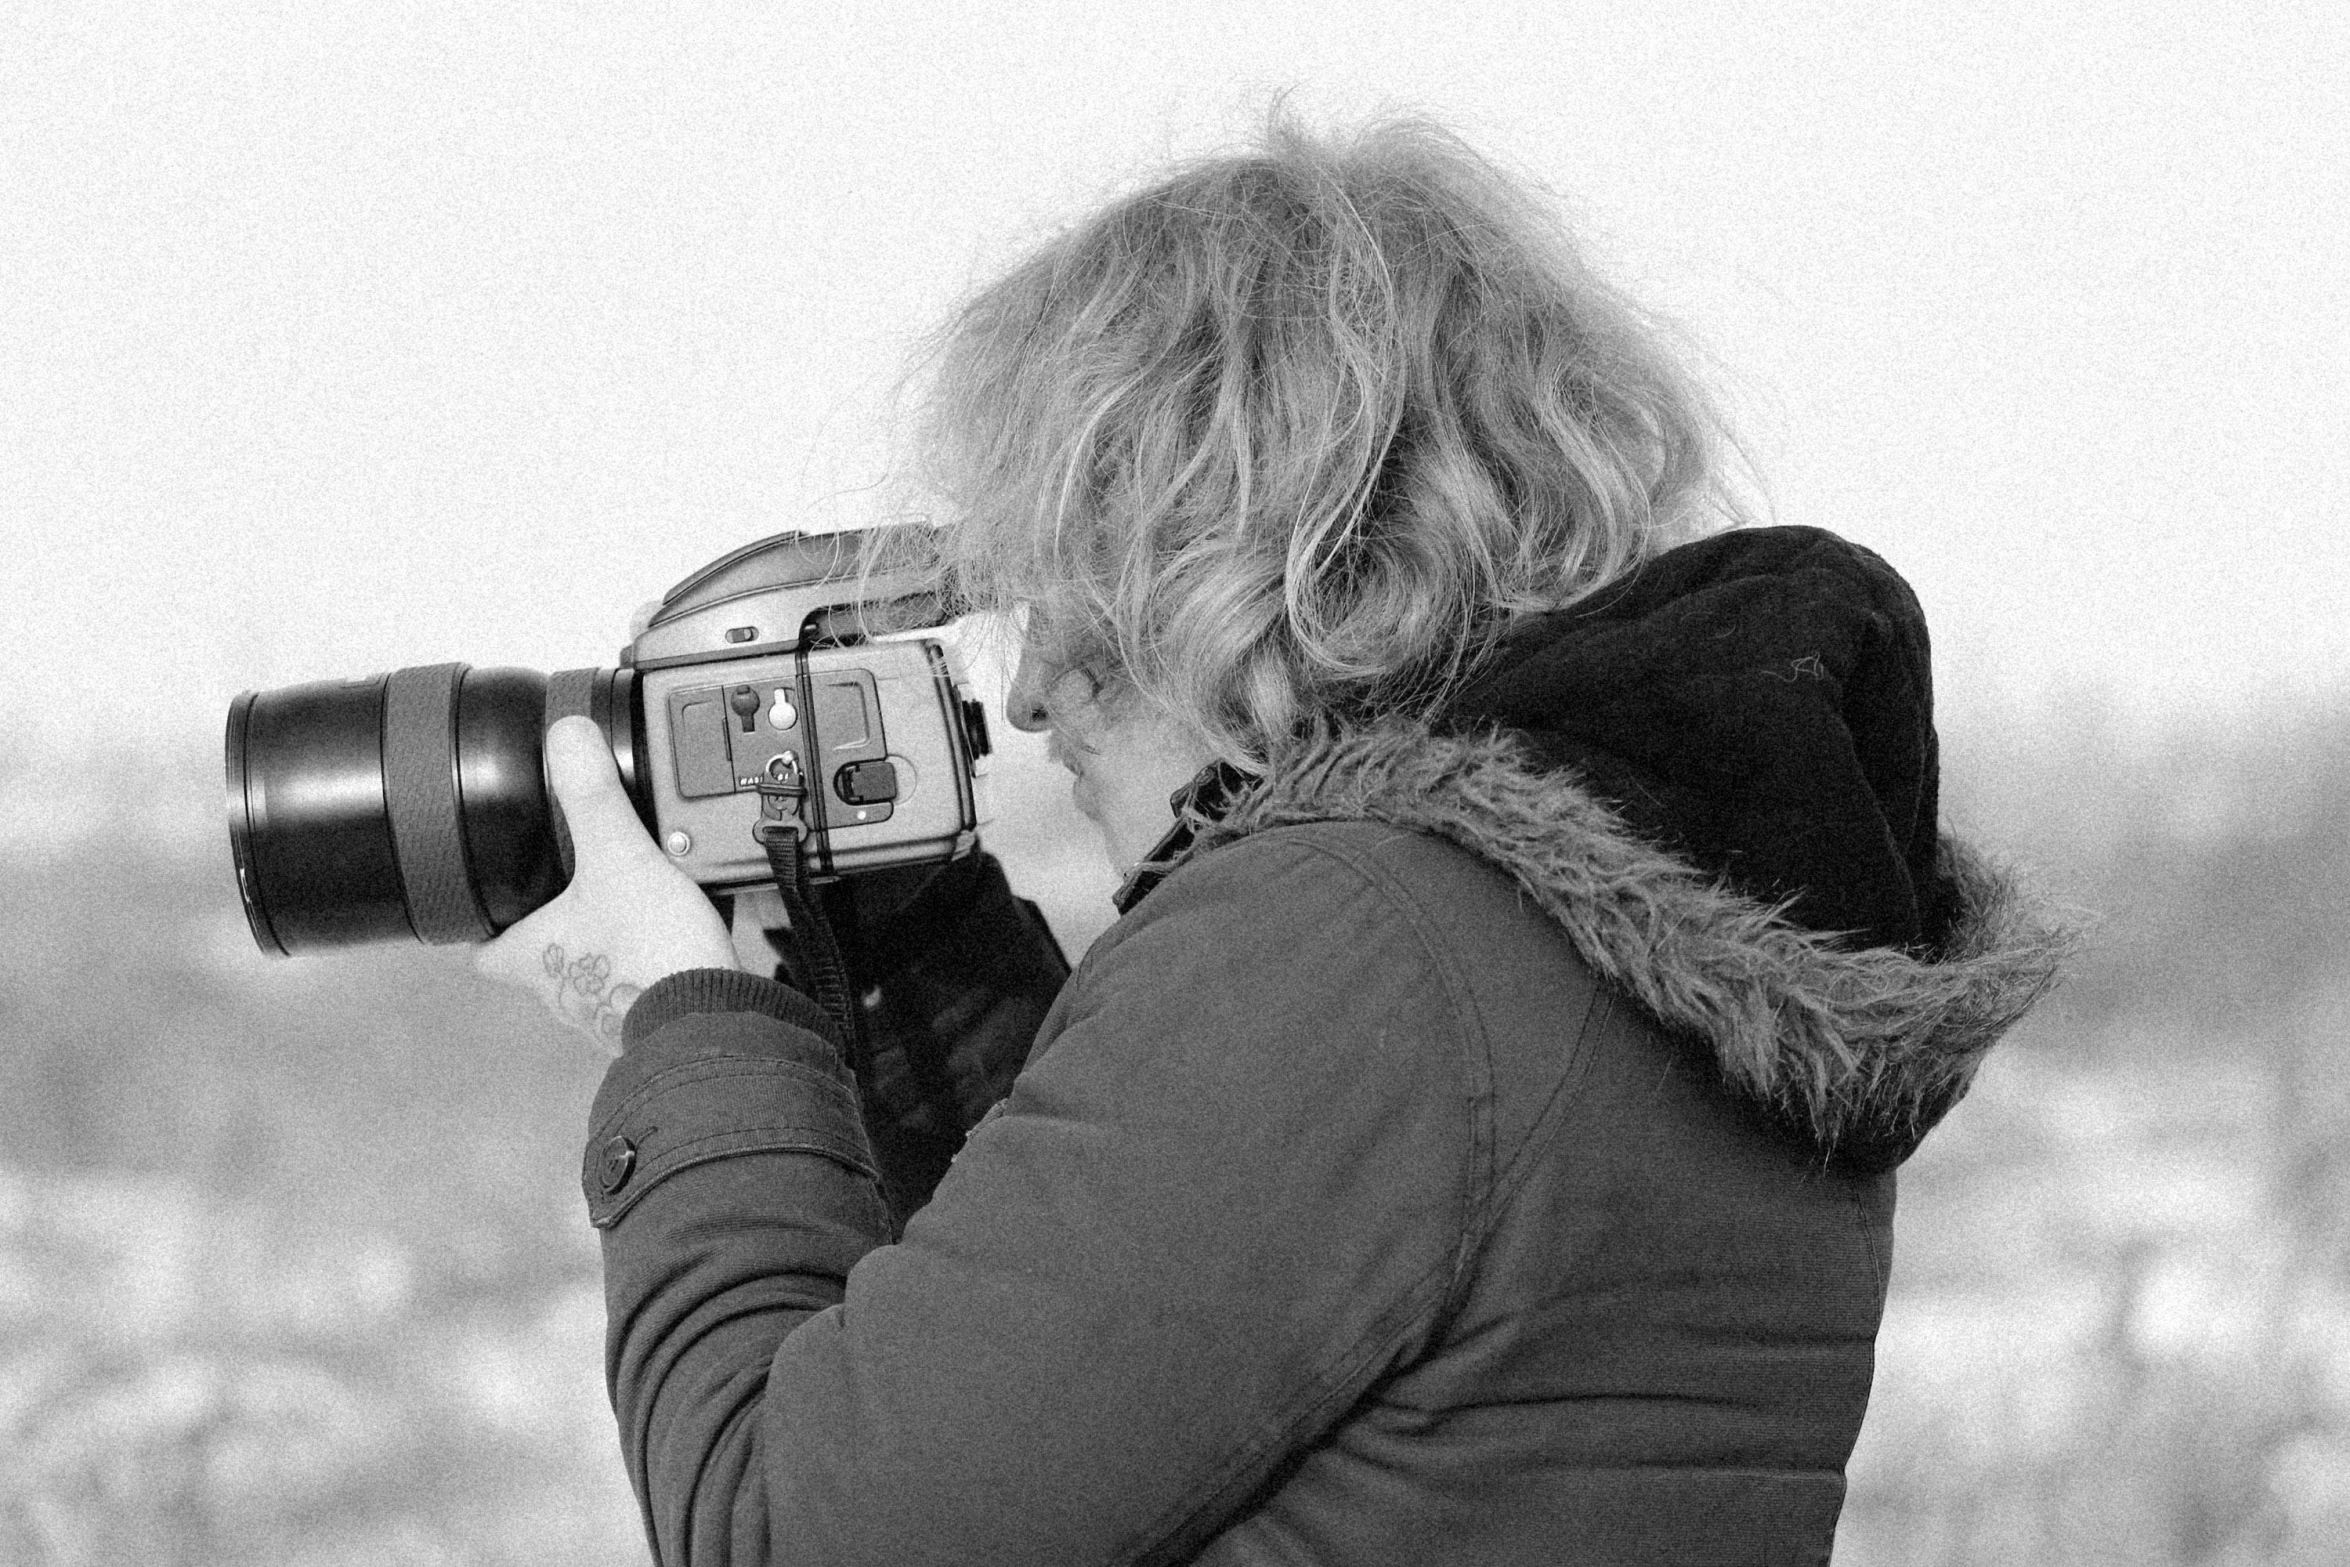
(628,918)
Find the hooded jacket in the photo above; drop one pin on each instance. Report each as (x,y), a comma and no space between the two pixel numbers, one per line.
(1475,1147)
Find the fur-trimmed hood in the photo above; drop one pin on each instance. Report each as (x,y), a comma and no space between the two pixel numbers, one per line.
(1720,776)
(1858,1051)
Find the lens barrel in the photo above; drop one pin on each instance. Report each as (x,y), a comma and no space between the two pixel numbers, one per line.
(412,805)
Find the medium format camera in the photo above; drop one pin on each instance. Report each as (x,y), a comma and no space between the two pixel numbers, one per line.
(416,804)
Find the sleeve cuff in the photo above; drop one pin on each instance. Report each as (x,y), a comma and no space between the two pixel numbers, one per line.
(709,1076)
(720,990)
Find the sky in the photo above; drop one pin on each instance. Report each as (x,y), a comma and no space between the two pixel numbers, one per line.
(340,337)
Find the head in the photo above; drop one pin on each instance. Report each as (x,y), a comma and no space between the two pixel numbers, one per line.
(1289,437)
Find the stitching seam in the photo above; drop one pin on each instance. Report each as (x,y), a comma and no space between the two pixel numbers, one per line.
(718,1068)
(603,1212)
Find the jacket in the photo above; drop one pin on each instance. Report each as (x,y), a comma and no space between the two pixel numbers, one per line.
(1444,1162)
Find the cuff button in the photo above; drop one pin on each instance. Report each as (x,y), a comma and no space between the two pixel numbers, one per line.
(616,1164)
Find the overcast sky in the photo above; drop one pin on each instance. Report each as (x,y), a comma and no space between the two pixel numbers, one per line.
(334,338)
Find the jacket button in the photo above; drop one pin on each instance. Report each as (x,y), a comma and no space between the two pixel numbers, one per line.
(619,1162)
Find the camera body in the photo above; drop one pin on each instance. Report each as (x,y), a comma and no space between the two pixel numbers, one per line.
(415,805)
(752,671)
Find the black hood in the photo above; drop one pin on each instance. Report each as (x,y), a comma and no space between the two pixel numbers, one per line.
(1719,780)
(1759,704)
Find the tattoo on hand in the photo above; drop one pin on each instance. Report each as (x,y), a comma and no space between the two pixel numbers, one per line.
(585,996)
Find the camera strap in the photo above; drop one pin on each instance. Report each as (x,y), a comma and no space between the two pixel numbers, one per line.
(783,832)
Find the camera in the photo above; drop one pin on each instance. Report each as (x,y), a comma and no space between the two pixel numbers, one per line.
(415,805)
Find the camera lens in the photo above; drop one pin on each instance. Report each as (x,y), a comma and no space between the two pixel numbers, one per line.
(412,805)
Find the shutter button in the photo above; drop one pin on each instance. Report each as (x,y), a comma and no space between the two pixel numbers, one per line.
(619,1162)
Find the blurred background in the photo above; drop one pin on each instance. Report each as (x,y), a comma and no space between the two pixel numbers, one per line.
(341,337)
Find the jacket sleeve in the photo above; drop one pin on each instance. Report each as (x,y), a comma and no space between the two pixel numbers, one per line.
(1230,1192)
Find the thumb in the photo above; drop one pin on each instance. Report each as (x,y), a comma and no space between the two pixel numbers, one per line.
(596,809)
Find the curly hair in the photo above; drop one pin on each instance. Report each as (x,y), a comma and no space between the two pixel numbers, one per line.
(1291,435)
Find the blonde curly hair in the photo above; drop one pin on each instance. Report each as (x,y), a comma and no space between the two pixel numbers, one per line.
(1293,434)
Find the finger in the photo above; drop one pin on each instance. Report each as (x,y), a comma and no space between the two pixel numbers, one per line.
(757,910)
(760,908)
(587,785)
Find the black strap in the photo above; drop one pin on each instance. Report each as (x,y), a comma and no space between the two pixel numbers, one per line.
(783,832)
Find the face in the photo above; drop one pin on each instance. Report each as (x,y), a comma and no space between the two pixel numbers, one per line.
(1128,756)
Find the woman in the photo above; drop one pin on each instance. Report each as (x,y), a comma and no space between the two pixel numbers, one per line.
(1474,1142)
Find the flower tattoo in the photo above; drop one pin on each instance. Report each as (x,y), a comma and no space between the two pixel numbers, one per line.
(585,996)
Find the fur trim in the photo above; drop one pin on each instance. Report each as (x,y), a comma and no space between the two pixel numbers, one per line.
(1858,1051)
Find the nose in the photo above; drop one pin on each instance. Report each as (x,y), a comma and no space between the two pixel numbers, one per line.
(1047,694)
(1028,703)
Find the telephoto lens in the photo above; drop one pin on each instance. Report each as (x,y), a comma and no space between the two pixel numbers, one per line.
(408,806)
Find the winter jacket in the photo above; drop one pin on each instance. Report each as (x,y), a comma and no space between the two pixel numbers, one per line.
(1446,1161)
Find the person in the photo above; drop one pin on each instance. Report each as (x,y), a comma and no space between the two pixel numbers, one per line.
(1474,1142)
